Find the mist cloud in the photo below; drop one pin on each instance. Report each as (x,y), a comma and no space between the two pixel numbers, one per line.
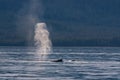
(30,13)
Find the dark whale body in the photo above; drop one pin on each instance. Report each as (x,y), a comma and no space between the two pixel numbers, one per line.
(61,60)
(58,60)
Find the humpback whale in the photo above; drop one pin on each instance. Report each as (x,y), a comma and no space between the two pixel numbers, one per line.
(62,60)
(57,60)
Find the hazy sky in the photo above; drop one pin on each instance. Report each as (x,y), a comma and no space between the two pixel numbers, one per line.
(78,19)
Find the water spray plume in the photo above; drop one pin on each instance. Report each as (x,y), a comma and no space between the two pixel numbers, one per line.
(42,41)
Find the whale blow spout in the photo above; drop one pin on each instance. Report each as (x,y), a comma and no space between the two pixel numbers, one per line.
(42,40)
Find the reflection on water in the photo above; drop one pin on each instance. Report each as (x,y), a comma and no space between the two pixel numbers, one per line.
(20,63)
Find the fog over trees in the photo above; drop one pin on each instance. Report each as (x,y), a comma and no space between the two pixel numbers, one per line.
(70,22)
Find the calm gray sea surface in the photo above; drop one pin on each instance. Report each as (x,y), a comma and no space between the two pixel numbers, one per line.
(79,63)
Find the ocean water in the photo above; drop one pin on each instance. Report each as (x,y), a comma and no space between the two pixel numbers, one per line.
(79,63)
